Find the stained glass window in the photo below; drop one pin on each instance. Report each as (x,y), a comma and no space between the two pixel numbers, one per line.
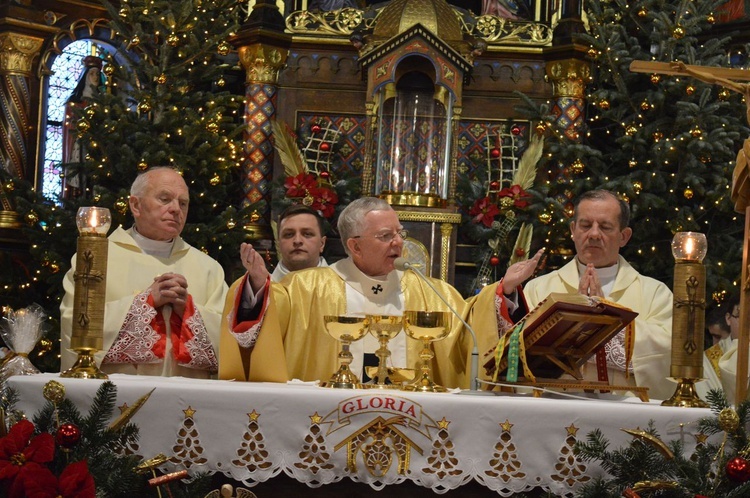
(66,69)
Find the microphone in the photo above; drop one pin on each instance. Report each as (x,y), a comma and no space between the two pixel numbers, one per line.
(403,264)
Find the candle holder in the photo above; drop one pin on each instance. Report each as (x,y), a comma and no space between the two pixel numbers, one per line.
(688,318)
(90,292)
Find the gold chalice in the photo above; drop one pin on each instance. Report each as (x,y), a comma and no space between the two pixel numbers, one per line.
(345,329)
(385,328)
(426,326)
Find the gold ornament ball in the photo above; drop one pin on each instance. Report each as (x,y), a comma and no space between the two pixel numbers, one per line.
(724,94)
(254,216)
(710,19)
(592,53)
(506,202)
(108,70)
(215,180)
(704,159)
(729,421)
(144,107)
(690,89)
(54,268)
(161,79)
(31,218)
(631,130)
(9,187)
(45,346)
(173,40)
(145,11)
(678,32)
(604,104)
(642,12)
(135,41)
(637,187)
(696,132)
(231,224)
(655,78)
(123,12)
(645,106)
(224,48)
(142,166)
(688,193)
(82,126)
(577,167)
(657,136)
(540,128)
(545,217)
(221,82)
(121,206)
(90,111)
(212,127)
(54,392)
(632,163)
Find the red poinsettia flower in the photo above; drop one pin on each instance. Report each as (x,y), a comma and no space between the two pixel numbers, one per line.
(516,193)
(75,481)
(300,185)
(484,211)
(17,450)
(325,202)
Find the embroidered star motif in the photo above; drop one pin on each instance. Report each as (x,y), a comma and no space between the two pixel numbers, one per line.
(377,288)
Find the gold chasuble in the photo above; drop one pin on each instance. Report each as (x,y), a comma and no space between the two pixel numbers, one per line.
(293,343)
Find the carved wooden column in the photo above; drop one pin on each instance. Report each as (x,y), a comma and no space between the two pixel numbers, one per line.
(17,52)
(263,51)
(569,78)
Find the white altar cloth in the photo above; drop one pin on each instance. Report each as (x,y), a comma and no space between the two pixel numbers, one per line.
(251,432)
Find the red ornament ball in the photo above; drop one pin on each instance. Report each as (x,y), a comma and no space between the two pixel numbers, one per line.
(516,130)
(68,435)
(738,469)
(325,147)
(325,175)
(315,128)
(495,153)
(495,185)
(494,261)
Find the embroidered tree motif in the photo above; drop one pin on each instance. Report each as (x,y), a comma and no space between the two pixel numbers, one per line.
(314,456)
(569,468)
(505,462)
(252,454)
(442,459)
(188,450)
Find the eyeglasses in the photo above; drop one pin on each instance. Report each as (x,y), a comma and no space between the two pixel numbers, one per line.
(386,238)
(735,316)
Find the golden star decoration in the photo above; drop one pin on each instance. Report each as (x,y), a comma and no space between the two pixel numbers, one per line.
(572,430)
(123,407)
(315,419)
(443,424)
(701,438)
(189,412)
(253,416)
(506,425)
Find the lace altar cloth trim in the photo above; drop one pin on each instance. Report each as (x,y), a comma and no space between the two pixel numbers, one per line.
(251,432)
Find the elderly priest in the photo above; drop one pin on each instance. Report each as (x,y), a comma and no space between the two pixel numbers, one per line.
(277,332)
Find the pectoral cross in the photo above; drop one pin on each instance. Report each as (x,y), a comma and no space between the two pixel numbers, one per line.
(693,304)
(86,276)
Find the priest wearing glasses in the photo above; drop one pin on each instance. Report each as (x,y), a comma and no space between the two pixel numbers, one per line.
(276,331)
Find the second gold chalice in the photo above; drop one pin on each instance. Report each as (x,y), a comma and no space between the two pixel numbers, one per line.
(385,328)
(426,326)
(345,329)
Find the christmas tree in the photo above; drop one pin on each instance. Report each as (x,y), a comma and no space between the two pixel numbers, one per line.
(165,102)
(666,144)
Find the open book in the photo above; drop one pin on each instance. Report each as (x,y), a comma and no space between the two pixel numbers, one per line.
(561,334)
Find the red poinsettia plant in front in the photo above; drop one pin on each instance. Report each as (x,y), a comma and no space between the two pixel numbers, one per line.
(311,191)
(487,209)
(25,471)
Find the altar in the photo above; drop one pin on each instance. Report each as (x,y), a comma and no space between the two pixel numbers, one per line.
(253,432)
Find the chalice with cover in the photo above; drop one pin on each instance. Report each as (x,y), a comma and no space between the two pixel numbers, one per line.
(345,329)
(426,326)
(384,328)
